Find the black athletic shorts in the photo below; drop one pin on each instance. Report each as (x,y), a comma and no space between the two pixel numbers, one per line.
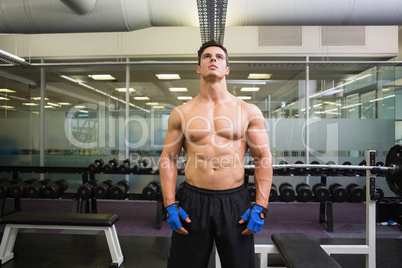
(215,216)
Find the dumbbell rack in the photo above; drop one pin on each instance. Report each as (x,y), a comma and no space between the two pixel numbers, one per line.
(131,196)
(326,207)
(16,170)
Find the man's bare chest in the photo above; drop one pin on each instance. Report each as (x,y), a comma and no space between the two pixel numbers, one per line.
(213,125)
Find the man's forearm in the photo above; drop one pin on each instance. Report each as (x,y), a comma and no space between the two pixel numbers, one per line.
(168,180)
(263,183)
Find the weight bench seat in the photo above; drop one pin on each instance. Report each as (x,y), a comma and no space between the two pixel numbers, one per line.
(300,251)
(57,220)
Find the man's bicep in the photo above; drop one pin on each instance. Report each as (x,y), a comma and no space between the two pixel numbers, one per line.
(257,136)
(174,136)
(259,149)
(173,140)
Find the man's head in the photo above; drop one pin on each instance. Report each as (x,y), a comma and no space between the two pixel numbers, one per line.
(212,43)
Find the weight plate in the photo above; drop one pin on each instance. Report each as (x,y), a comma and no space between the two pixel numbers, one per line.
(394,179)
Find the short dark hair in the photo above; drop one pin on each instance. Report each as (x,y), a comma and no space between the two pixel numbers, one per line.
(212,43)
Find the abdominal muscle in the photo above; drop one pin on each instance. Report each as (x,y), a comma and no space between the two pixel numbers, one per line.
(215,171)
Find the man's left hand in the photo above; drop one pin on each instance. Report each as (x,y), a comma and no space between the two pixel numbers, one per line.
(256,215)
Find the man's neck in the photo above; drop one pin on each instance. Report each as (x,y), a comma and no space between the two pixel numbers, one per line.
(215,92)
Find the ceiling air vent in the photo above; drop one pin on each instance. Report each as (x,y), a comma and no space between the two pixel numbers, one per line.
(280,35)
(343,36)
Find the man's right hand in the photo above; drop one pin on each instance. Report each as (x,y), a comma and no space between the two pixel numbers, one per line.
(173,218)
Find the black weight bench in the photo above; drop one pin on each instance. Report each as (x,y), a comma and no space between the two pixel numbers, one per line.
(65,221)
(302,251)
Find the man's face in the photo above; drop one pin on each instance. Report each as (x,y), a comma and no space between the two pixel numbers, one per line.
(213,63)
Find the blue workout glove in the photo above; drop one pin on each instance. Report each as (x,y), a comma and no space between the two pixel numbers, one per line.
(174,213)
(253,214)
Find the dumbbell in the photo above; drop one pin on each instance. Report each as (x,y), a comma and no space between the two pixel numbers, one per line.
(379,193)
(96,166)
(362,172)
(142,167)
(300,170)
(315,171)
(283,170)
(5,185)
(338,192)
(332,171)
(348,171)
(55,189)
(102,190)
(18,190)
(356,193)
(125,166)
(35,190)
(119,190)
(321,192)
(287,193)
(273,195)
(304,193)
(111,166)
(251,190)
(151,191)
(85,191)
(380,172)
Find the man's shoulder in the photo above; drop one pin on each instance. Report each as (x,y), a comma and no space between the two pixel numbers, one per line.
(180,111)
(184,108)
(250,108)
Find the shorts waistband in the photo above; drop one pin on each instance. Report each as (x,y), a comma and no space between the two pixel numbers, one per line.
(213,192)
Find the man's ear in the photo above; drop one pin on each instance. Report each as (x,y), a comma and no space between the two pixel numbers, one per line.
(197,69)
(227,70)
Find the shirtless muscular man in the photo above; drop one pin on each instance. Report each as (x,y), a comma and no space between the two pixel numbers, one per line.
(215,129)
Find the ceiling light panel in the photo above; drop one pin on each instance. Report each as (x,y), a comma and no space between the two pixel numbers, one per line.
(141,98)
(6,90)
(53,104)
(168,76)
(178,89)
(101,77)
(38,98)
(123,89)
(184,98)
(249,89)
(259,76)
(7,107)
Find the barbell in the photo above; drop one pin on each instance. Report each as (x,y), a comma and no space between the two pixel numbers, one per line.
(392,168)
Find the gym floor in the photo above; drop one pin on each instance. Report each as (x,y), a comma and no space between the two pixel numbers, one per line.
(37,250)
(144,246)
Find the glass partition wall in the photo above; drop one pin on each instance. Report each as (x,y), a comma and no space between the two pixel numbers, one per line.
(315,111)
